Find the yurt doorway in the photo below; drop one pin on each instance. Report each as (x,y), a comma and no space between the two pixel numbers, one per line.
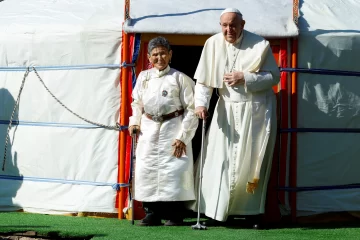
(185,59)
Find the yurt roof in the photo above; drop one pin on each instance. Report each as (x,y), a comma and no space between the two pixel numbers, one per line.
(268,18)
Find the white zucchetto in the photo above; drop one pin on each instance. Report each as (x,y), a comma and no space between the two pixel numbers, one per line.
(232,10)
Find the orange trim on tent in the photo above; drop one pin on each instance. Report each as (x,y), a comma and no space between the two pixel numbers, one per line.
(128,138)
(174,39)
(123,122)
(121,197)
(188,40)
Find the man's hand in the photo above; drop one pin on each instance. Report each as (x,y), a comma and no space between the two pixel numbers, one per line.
(179,148)
(201,112)
(252,186)
(234,78)
(134,129)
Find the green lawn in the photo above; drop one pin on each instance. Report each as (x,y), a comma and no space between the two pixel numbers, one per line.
(109,228)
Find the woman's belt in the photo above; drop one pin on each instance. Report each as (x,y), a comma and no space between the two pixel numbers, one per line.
(165,117)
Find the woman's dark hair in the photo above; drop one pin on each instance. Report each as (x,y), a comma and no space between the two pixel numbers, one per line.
(158,42)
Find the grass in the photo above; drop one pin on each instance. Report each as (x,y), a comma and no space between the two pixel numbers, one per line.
(110,228)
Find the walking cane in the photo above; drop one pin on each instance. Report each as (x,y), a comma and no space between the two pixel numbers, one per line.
(198,226)
(131,176)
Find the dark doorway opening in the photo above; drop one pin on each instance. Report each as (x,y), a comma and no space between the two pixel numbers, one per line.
(185,59)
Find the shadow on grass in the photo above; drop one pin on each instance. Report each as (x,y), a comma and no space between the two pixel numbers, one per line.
(238,224)
(242,223)
(311,226)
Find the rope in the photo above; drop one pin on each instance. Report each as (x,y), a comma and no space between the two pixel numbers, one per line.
(54,124)
(296,11)
(321,130)
(321,71)
(115,127)
(318,188)
(69,67)
(127,9)
(12,116)
(136,52)
(115,186)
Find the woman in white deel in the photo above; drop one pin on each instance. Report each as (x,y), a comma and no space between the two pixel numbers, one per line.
(163,117)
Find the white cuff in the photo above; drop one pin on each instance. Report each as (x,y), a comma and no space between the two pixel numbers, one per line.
(255,82)
(202,96)
(134,120)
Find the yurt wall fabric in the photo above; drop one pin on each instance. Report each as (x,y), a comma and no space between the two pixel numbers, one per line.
(329,39)
(50,147)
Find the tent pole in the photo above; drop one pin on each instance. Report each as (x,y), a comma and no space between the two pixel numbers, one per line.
(284,110)
(293,141)
(293,118)
(123,114)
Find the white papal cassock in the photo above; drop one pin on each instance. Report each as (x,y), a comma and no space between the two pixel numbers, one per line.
(240,141)
(159,176)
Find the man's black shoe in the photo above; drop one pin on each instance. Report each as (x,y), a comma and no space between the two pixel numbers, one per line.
(150,220)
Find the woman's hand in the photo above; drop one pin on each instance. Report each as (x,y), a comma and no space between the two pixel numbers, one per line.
(179,148)
(134,129)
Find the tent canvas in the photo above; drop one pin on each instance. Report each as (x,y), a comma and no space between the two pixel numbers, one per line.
(50,146)
(329,39)
(49,142)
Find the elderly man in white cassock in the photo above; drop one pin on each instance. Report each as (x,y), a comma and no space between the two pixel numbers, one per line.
(239,144)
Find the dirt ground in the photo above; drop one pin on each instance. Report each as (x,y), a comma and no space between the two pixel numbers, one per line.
(32,235)
(21,238)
